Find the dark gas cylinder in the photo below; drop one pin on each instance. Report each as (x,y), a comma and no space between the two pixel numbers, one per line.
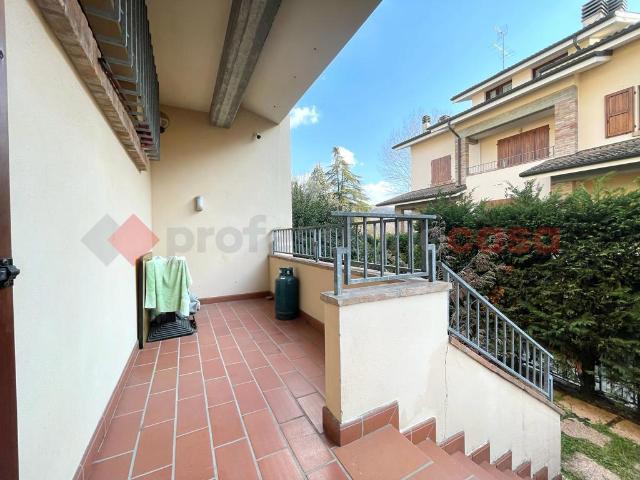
(287,290)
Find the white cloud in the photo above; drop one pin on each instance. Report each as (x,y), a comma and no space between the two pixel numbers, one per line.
(378,191)
(348,156)
(304,116)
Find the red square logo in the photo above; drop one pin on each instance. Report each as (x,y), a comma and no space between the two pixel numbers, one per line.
(133,239)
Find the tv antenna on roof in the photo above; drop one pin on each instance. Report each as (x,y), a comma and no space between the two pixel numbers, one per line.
(499,44)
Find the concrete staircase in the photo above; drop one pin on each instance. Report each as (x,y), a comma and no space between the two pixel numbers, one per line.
(387,454)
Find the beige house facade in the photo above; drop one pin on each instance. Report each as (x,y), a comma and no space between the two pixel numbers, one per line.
(561,117)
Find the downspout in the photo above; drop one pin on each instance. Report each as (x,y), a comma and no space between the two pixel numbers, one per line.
(575,43)
(458,154)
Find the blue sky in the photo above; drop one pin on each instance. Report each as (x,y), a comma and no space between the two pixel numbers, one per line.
(414,55)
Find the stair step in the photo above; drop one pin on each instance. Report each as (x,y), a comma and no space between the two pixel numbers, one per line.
(477,471)
(454,469)
(382,455)
(503,475)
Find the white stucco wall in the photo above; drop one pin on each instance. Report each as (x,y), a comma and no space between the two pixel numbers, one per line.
(241,178)
(398,350)
(75,318)
(494,184)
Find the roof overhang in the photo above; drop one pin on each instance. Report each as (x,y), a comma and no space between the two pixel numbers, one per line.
(304,37)
(619,19)
(587,168)
(596,59)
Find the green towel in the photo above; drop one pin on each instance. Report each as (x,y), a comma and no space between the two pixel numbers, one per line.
(167,289)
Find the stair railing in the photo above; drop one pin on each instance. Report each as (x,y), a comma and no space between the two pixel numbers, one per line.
(476,322)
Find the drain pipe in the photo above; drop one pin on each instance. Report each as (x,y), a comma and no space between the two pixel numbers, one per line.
(458,153)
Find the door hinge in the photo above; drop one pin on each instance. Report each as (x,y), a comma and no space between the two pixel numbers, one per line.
(8,272)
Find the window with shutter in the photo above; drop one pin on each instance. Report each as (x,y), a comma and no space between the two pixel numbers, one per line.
(618,112)
(441,170)
(523,147)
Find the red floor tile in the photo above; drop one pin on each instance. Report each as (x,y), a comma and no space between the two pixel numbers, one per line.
(121,436)
(297,384)
(312,406)
(330,472)
(116,468)
(167,346)
(239,373)
(225,424)
(381,455)
(235,462)
(267,378)
(167,360)
(231,355)
(190,385)
(307,367)
(218,391)
(188,349)
(264,433)
(161,407)
(209,352)
(232,327)
(284,407)
(146,356)
(155,449)
(280,363)
(162,474)
(300,427)
(189,364)
(268,347)
(132,399)
(213,369)
(164,380)
(140,374)
(293,350)
(225,341)
(279,466)
(192,415)
(193,456)
(249,397)
(319,384)
(255,359)
(311,452)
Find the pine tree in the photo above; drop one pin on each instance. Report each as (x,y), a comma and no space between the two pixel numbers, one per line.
(346,187)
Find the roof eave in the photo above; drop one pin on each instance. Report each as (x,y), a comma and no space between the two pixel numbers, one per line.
(567,41)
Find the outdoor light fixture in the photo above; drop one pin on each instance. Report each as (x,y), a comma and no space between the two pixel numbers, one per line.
(199,203)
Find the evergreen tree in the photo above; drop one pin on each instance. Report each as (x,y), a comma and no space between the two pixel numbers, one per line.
(346,187)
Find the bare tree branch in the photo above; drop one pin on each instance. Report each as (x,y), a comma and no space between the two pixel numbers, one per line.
(395,165)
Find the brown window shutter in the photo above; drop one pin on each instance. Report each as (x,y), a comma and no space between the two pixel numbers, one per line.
(541,142)
(618,111)
(441,170)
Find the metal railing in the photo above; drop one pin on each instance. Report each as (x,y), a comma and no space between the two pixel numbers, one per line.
(479,324)
(315,243)
(121,29)
(519,159)
(383,247)
(365,247)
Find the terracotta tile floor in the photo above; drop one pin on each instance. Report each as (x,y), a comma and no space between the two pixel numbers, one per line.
(241,399)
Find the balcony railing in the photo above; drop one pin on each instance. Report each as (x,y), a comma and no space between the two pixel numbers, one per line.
(519,159)
(479,324)
(365,247)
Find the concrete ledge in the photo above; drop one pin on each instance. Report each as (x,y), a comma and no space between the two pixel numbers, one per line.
(377,293)
(304,261)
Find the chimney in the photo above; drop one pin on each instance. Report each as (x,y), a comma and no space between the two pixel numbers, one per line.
(426,122)
(594,10)
(443,118)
